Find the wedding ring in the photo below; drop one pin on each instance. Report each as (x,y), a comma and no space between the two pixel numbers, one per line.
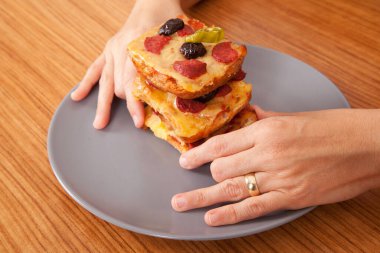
(250,181)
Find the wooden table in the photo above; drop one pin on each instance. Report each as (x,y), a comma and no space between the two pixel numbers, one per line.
(45,49)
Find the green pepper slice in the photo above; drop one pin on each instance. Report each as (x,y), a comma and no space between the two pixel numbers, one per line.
(208,35)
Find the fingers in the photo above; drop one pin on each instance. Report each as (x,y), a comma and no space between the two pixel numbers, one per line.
(218,146)
(233,189)
(135,107)
(247,209)
(234,165)
(120,78)
(105,96)
(229,190)
(90,79)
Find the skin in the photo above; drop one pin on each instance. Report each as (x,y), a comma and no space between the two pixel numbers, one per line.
(113,69)
(300,160)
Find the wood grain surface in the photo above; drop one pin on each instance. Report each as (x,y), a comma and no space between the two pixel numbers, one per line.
(45,49)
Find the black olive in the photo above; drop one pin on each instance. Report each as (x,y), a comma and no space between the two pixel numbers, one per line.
(171,26)
(192,50)
(207,97)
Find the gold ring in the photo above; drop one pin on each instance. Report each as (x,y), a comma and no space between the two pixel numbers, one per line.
(250,181)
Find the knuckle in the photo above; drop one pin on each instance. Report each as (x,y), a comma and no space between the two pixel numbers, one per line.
(271,127)
(218,146)
(255,209)
(232,214)
(200,197)
(276,123)
(232,190)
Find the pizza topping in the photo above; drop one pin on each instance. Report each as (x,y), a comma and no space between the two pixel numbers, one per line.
(223,52)
(240,75)
(209,35)
(192,50)
(223,90)
(190,68)
(207,97)
(156,43)
(189,105)
(171,26)
(187,30)
(150,83)
(195,24)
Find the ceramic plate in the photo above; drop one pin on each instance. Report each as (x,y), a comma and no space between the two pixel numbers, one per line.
(127,176)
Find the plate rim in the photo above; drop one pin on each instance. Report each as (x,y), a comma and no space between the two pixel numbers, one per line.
(165,235)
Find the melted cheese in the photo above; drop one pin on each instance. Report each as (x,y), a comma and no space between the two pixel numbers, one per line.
(218,111)
(163,62)
(160,129)
(154,122)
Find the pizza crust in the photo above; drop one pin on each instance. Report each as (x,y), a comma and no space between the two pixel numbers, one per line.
(194,126)
(154,121)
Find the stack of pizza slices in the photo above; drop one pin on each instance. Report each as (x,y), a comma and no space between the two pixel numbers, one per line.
(190,77)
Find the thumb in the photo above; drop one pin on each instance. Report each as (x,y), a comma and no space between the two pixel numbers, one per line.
(262,114)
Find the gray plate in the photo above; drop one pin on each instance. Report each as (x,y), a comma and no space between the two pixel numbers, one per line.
(127,176)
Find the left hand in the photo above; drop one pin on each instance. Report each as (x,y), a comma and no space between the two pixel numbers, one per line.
(299,160)
(114,68)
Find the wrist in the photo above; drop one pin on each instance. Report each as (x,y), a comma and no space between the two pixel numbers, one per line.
(374,144)
(146,14)
(368,146)
(158,10)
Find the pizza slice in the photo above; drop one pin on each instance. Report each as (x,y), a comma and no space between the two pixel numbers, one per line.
(162,130)
(186,58)
(195,119)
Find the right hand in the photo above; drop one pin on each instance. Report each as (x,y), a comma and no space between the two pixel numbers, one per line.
(114,69)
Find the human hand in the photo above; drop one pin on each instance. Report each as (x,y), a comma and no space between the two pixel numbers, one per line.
(114,69)
(299,160)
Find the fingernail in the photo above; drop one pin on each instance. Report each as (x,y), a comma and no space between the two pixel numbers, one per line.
(180,202)
(184,162)
(72,95)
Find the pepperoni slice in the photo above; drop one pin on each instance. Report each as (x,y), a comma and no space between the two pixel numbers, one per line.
(151,84)
(189,105)
(186,30)
(195,24)
(190,68)
(240,75)
(224,90)
(223,52)
(156,43)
